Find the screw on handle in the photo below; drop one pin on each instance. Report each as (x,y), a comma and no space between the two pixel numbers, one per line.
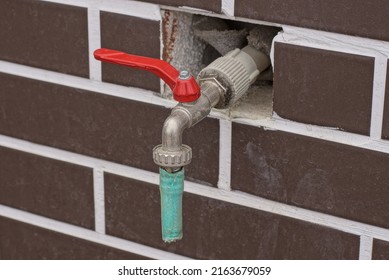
(184,86)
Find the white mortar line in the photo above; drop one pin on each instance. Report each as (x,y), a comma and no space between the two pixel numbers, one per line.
(94,42)
(77,3)
(126,7)
(377,145)
(99,200)
(222,16)
(377,110)
(258,203)
(323,133)
(365,248)
(82,160)
(141,95)
(234,197)
(225,155)
(332,41)
(129,93)
(228,7)
(132,8)
(86,234)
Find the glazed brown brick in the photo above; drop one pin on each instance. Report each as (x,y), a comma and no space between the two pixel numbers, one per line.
(385,124)
(211,5)
(323,87)
(218,230)
(131,35)
(325,176)
(45,35)
(380,250)
(353,17)
(47,187)
(20,241)
(98,125)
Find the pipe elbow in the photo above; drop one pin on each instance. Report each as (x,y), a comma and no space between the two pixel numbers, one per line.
(173,129)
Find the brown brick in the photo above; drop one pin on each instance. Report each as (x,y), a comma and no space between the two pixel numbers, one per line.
(47,187)
(98,125)
(353,17)
(215,229)
(20,241)
(45,35)
(385,124)
(211,5)
(135,36)
(380,250)
(323,87)
(325,176)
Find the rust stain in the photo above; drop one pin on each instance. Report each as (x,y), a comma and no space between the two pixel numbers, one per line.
(169,33)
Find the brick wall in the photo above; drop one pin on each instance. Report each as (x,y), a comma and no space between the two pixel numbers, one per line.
(77,181)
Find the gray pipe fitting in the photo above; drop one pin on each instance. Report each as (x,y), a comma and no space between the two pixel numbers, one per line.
(236,71)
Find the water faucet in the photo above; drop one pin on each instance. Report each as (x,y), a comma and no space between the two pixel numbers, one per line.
(220,85)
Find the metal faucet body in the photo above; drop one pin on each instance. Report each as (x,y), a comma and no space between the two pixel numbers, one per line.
(172,154)
(222,83)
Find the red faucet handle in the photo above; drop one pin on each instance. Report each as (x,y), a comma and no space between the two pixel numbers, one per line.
(183,85)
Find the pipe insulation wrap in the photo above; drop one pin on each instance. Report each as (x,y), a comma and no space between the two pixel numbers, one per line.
(171,188)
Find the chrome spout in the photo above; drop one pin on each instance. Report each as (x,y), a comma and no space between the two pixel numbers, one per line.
(172,153)
(173,129)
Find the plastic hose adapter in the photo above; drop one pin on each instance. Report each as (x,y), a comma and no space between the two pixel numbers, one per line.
(236,71)
(171,187)
(184,86)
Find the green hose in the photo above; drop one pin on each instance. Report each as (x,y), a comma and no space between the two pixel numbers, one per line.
(171,186)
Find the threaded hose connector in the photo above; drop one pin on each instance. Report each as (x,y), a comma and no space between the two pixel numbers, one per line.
(236,71)
(178,158)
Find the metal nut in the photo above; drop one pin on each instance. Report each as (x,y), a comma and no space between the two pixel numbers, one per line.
(178,158)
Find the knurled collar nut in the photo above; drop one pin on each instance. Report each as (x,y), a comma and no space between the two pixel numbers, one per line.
(172,158)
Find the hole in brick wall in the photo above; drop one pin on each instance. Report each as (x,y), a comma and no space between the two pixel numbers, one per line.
(191,42)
